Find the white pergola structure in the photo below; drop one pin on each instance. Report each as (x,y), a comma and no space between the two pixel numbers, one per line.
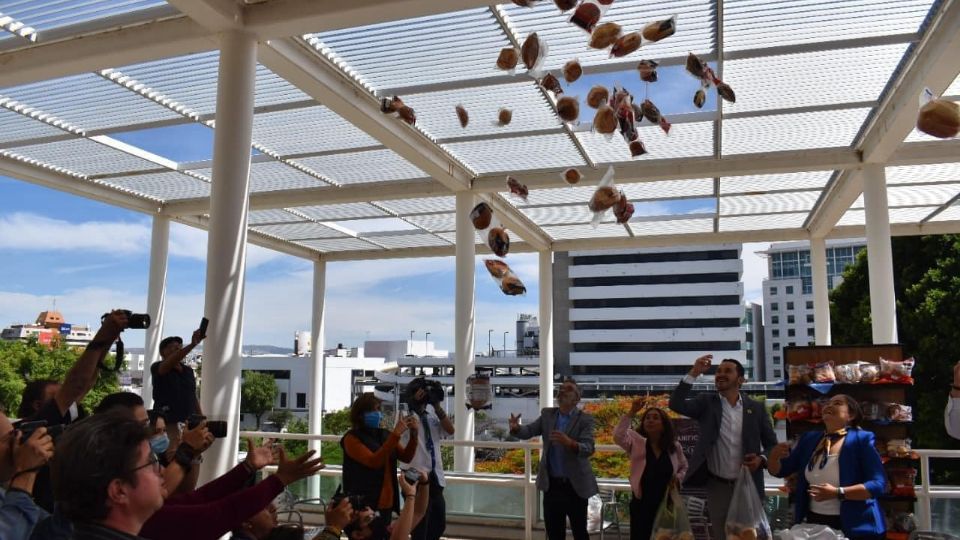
(820,143)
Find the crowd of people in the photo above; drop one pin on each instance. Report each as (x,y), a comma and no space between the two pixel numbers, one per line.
(125,472)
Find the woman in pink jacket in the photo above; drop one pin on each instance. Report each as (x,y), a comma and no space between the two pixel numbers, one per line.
(656,460)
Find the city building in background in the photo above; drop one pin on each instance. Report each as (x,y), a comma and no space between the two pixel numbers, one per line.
(50,328)
(788,295)
(755,365)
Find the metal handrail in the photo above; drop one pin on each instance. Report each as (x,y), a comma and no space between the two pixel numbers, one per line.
(925,493)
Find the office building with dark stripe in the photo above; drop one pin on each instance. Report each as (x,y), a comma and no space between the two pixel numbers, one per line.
(647,314)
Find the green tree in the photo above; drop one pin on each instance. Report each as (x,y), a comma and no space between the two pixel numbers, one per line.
(24,361)
(257,394)
(280,418)
(927,289)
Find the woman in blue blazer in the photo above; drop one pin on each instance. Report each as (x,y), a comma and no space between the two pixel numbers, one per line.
(840,474)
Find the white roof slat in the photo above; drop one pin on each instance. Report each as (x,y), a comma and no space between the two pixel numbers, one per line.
(811,79)
(798,131)
(517,154)
(768,203)
(274,176)
(640,191)
(310,129)
(17,127)
(756,24)
(440,48)
(85,157)
(693,139)
(857,216)
(275,215)
(914,174)
(89,102)
(561,215)
(761,222)
(950,214)
(774,182)
(333,212)
(572,232)
(166,186)
(907,195)
(361,167)
(306,230)
(339,244)
(420,206)
(435,222)
(695,24)
(671,226)
(437,116)
(48,14)
(401,241)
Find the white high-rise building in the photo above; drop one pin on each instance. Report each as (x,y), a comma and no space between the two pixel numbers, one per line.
(788,316)
(648,313)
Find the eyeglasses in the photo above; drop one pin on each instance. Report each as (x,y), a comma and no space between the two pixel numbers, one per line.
(152,461)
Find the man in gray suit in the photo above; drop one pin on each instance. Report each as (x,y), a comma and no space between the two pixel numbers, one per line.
(732,430)
(565,477)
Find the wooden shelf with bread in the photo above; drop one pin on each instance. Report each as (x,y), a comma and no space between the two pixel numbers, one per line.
(880,379)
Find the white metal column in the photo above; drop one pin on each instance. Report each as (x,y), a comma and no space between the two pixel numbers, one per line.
(546,329)
(464,330)
(821,290)
(156,299)
(883,305)
(227,245)
(317,364)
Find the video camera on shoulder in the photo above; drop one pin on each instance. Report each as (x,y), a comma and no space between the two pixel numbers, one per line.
(357,502)
(434,391)
(217,428)
(27,428)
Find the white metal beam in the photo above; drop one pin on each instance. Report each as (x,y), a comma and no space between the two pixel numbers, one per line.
(933,63)
(214,15)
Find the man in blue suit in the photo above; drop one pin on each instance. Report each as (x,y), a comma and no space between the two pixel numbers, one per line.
(565,477)
(732,430)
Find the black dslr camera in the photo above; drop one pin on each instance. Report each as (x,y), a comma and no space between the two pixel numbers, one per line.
(434,390)
(217,428)
(27,428)
(135,321)
(357,502)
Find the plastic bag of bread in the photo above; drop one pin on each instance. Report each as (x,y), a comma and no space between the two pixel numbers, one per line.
(517,189)
(510,284)
(847,373)
(551,83)
(604,198)
(746,518)
(823,373)
(626,44)
(892,371)
(572,176)
(605,120)
(799,410)
(899,448)
(497,268)
(588,14)
(507,61)
(671,521)
(871,411)
(648,70)
(533,53)
(869,373)
(498,241)
(800,374)
(658,30)
(623,210)
(597,96)
(604,35)
(568,108)
(938,117)
(481,216)
(902,481)
(572,71)
(898,412)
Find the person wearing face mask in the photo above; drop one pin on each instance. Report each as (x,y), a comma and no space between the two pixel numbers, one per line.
(840,473)
(656,461)
(565,476)
(370,455)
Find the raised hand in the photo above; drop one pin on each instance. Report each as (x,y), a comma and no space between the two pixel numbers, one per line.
(259,457)
(199,438)
(636,406)
(701,365)
(33,452)
(401,426)
(413,423)
(514,422)
(291,470)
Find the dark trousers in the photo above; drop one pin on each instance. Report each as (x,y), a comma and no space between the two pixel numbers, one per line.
(434,522)
(559,503)
(642,514)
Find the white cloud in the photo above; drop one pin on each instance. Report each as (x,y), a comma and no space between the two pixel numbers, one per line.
(754,272)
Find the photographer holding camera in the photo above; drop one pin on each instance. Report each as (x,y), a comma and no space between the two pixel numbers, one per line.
(20,458)
(425,397)
(365,524)
(175,390)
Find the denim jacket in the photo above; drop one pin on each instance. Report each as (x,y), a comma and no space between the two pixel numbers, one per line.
(18,515)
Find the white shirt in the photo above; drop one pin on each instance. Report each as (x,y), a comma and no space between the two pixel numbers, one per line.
(726,456)
(421,460)
(829,474)
(951,417)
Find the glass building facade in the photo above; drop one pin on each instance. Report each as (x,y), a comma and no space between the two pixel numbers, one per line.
(796,264)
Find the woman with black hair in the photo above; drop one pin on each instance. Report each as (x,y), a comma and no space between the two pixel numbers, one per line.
(840,474)
(656,461)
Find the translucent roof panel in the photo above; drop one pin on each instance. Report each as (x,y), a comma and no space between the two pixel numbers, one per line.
(828,77)
(84,157)
(665,189)
(916,174)
(299,231)
(401,241)
(17,127)
(560,215)
(799,131)
(517,154)
(671,226)
(439,48)
(857,216)
(437,116)
(333,212)
(760,183)
(571,232)
(695,22)
(421,206)
(950,214)
(264,217)
(361,167)
(192,81)
(769,203)
(273,176)
(339,244)
(435,222)
(384,225)
(165,186)
(89,102)
(685,140)
(906,195)
(762,222)
(756,24)
(309,129)
(49,14)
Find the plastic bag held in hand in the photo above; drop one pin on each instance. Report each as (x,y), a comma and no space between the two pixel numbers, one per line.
(746,519)
(672,521)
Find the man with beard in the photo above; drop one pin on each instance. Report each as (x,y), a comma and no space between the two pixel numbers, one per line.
(732,430)
(565,477)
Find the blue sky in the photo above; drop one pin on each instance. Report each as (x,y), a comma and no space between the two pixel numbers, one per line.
(89,257)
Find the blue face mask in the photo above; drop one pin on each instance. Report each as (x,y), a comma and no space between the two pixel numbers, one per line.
(160,443)
(372,419)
